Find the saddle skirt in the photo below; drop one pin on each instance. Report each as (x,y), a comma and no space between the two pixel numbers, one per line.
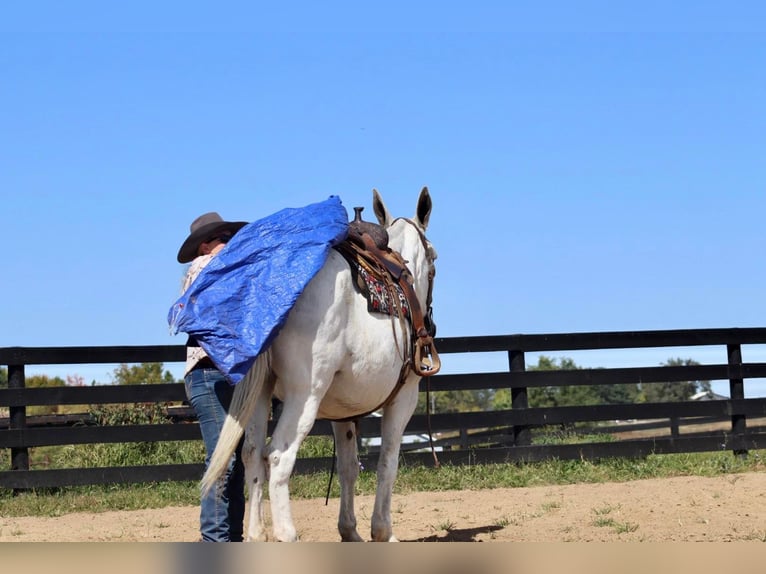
(376,269)
(383,296)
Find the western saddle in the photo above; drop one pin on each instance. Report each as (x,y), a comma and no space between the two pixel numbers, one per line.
(367,245)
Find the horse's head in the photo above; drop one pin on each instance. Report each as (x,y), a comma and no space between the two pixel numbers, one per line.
(408,237)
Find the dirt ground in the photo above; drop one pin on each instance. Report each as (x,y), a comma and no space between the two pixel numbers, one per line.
(684,509)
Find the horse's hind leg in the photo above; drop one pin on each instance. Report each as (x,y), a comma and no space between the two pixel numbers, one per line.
(298,415)
(348,472)
(255,465)
(396,415)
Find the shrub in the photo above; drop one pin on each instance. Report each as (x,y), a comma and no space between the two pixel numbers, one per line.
(129,454)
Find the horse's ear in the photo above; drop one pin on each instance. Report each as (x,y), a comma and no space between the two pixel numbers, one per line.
(423,212)
(381,212)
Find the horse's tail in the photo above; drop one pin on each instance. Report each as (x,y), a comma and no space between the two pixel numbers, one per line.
(241,410)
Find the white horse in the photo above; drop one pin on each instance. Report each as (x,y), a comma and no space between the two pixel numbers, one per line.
(334,360)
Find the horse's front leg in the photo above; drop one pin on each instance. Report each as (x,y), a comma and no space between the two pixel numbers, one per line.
(348,471)
(253,457)
(396,415)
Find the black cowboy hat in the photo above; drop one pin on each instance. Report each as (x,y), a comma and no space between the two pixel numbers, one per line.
(204,228)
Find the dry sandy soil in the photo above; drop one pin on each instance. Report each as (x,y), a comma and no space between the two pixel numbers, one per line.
(720,509)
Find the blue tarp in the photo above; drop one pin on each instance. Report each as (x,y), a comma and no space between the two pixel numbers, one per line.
(237,304)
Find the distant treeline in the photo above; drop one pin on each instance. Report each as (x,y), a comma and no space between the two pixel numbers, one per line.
(582,395)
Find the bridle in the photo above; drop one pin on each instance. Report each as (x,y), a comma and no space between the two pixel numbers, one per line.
(430,258)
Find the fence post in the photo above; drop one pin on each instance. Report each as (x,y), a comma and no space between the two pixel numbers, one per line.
(675,430)
(737,391)
(18,418)
(522,436)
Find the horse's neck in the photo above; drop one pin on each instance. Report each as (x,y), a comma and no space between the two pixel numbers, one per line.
(404,238)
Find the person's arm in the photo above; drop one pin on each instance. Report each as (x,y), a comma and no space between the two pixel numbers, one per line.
(194,269)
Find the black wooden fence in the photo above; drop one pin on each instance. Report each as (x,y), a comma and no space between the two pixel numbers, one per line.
(504,436)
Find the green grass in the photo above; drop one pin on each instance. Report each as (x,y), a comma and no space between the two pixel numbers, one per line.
(55,502)
(603,520)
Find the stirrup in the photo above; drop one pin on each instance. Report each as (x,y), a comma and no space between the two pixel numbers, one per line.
(427,360)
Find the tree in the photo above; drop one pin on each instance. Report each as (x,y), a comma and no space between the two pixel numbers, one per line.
(561,396)
(143,374)
(571,395)
(676,391)
(36,381)
(551,396)
(455,401)
(3,378)
(617,394)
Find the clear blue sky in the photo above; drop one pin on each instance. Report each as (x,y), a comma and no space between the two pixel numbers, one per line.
(593,165)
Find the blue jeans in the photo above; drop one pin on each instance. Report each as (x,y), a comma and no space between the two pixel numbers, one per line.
(222,510)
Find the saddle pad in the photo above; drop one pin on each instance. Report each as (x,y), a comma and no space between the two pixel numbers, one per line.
(379,297)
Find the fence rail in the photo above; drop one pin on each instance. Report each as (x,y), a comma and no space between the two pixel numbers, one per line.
(468,437)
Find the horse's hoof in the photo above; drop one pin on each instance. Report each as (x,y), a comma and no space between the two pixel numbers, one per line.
(288,537)
(352,537)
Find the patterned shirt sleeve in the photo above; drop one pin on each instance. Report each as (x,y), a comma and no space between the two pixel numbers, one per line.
(194,354)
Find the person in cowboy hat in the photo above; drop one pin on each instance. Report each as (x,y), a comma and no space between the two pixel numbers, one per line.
(222,510)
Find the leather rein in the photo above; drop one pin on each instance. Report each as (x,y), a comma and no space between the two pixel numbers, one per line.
(427,360)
